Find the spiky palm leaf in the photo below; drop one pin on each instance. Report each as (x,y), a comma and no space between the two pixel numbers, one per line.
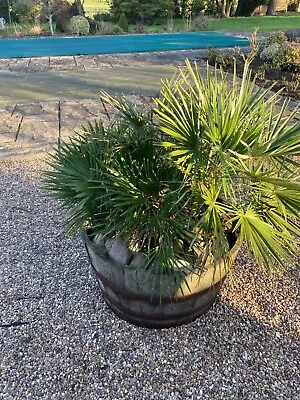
(119,181)
(237,146)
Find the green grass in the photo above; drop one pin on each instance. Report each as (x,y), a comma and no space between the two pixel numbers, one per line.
(263,23)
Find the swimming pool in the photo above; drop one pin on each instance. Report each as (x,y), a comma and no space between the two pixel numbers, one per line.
(65,46)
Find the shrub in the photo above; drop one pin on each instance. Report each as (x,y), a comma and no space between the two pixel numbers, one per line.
(274,41)
(289,58)
(169,26)
(277,37)
(79,25)
(270,52)
(26,11)
(200,23)
(139,27)
(105,28)
(36,30)
(21,30)
(219,57)
(123,23)
(115,30)
(279,53)
(11,30)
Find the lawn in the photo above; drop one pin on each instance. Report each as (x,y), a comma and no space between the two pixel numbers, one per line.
(265,24)
(280,22)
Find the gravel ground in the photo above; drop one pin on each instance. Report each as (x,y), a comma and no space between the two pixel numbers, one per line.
(58,340)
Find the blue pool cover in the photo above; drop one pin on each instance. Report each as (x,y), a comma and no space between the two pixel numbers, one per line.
(64,46)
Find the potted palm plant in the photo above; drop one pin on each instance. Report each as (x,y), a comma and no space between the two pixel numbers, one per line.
(164,196)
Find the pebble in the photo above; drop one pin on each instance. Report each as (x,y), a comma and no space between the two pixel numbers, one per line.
(73,347)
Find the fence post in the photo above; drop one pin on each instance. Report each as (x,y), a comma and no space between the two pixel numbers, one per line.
(19,128)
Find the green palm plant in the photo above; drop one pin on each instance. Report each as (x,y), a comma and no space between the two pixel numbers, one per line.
(237,148)
(211,163)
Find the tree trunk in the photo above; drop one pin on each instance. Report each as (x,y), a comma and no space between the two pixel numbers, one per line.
(79,4)
(228,7)
(51,24)
(225,7)
(246,7)
(271,10)
(8,11)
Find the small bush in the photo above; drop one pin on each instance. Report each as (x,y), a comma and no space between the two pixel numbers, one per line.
(115,30)
(200,23)
(277,37)
(123,23)
(105,28)
(169,27)
(289,58)
(268,47)
(139,27)
(36,30)
(218,57)
(20,30)
(79,25)
(270,52)
(279,53)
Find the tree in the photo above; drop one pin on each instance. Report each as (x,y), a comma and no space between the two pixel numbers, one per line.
(225,7)
(246,7)
(5,10)
(184,8)
(26,10)
(77,8)
(141,11)
(271,10)
(51,8)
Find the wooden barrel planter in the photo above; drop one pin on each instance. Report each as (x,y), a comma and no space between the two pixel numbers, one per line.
(134,295)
